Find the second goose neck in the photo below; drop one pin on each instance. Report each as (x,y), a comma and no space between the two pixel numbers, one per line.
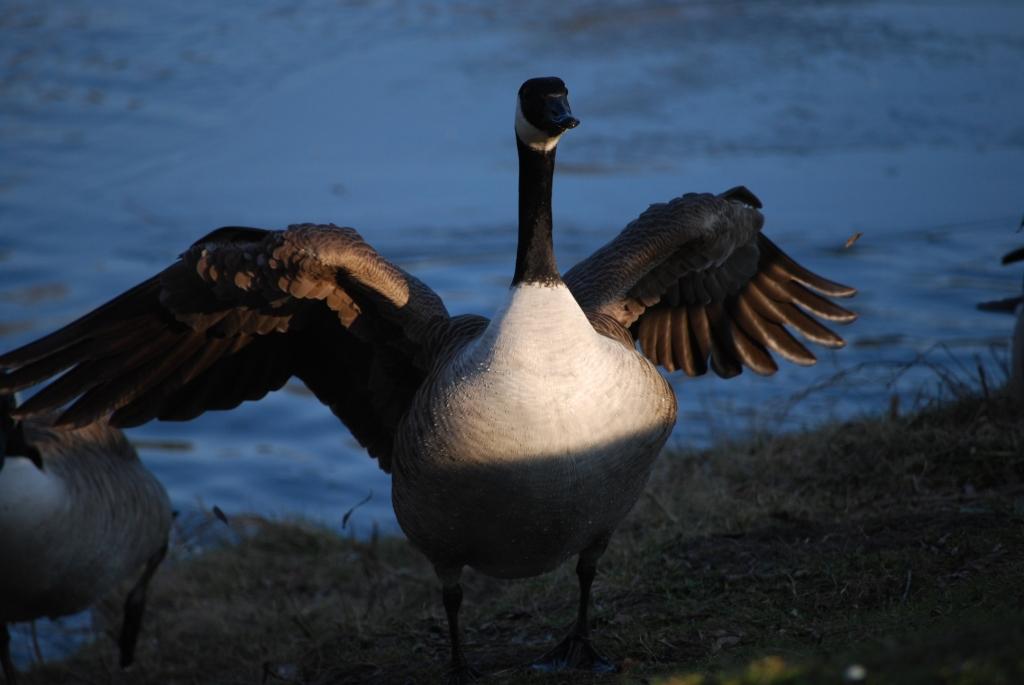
(535,256)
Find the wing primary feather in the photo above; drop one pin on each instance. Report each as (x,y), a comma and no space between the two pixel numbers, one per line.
(769,333)
(752,354)
(763,304)
(809,328)
(816,304)
(59,392)
(211,391)
(48,366)
(701,333)
(131,304)
(774,260)
(656,324)
(158,399)
(103,344)
(723,361)
(682,346)
(117,392)
(149,404)
(95,372)
(663,339)
(795,317)
(645,335)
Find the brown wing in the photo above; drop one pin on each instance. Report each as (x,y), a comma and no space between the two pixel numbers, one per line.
(695,280)
(235,317)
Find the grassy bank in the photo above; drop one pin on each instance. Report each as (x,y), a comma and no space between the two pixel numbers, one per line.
(893,547)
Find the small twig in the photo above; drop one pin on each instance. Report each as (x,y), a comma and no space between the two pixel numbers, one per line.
(219,513)
(348,514)
(306,630)
(982,379)
(906,590)
(661,505)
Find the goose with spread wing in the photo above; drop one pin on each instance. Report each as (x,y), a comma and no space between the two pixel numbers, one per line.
(515,442)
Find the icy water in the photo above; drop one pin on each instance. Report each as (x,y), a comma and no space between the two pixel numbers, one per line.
(129,129)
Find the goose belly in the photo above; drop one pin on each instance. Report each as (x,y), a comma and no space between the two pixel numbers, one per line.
(62,547)
(34,510)
(518,463)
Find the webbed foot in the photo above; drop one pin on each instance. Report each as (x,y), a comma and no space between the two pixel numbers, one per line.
(574,652)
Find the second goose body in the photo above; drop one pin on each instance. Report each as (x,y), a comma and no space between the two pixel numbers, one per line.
(79,513)
(515,442)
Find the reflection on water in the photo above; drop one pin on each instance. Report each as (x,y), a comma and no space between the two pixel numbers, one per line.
(127,130)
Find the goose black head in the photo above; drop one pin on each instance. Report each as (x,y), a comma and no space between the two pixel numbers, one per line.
(542,113)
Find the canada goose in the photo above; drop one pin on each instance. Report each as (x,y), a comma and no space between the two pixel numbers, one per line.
(79,513)
(514,443)
(1013,305)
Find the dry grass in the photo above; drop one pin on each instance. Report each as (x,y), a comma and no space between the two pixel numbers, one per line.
(894,544)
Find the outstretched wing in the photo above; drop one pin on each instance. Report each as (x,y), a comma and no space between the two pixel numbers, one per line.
(239,313)
(695,279)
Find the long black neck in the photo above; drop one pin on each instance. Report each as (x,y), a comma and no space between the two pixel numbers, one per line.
(535,257)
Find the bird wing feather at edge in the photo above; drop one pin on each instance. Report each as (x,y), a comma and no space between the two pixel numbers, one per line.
(694,280)
(235,317)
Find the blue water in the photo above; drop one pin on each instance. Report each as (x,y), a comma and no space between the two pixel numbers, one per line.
(129,129)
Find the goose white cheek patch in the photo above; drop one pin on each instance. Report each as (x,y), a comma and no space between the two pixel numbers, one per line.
(532,136)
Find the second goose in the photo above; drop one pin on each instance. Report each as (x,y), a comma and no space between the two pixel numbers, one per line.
(79,514)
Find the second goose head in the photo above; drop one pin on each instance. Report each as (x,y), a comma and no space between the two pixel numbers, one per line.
(542,113)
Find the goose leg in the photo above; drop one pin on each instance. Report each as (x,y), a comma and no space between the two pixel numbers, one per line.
(135,606)
(575,651)
(10,675)
(460,672)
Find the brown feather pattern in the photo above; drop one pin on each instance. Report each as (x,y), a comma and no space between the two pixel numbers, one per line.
(239,314)
(695,281)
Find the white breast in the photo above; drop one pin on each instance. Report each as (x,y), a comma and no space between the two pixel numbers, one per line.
(28,497)
(533,444)
(542,382)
